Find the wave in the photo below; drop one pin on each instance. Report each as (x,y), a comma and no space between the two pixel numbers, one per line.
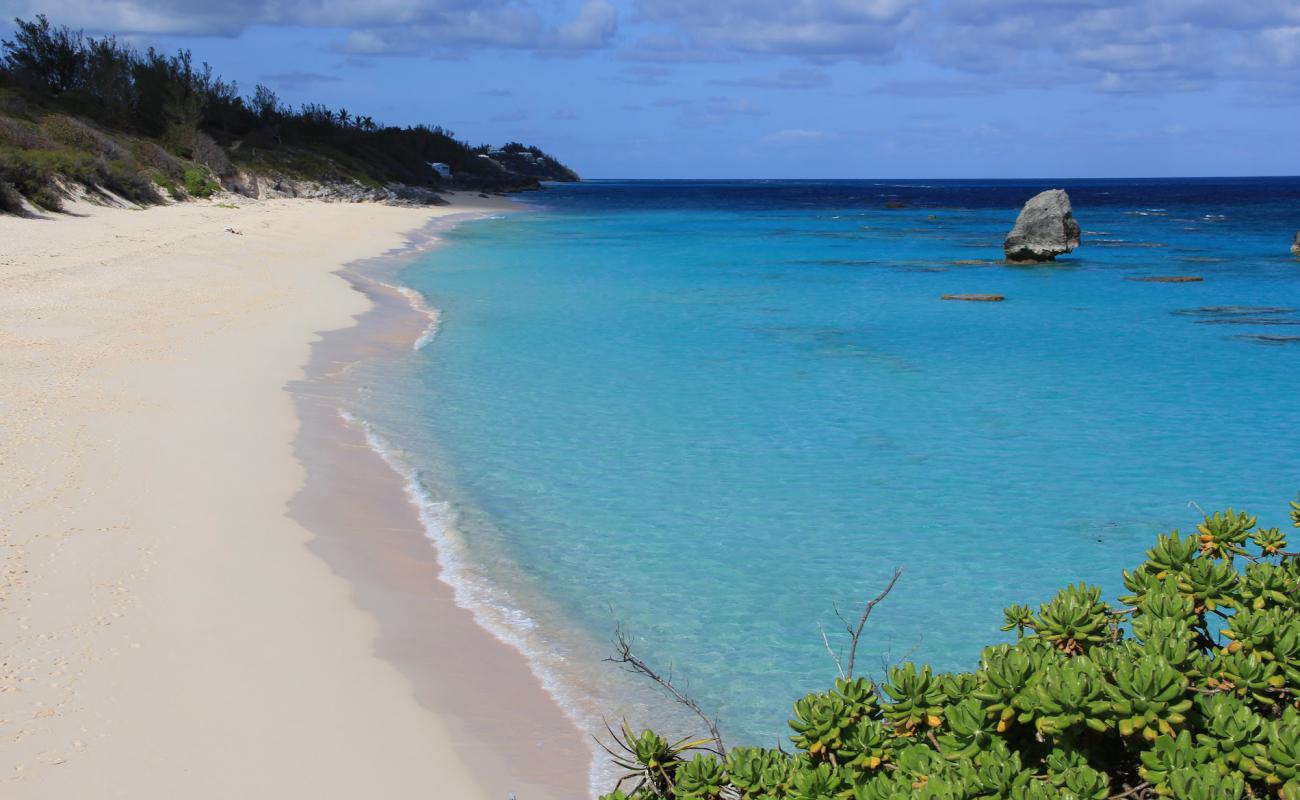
(418,304)
(491,606)
(1126,243)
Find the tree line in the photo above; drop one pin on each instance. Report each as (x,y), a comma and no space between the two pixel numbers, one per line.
(170,98)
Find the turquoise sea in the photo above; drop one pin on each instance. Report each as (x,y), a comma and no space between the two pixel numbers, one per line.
(714,411)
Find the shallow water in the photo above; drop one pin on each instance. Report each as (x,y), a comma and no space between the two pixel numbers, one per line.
(714,411)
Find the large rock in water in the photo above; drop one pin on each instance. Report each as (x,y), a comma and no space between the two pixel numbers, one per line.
(1045,229)
(1295,246)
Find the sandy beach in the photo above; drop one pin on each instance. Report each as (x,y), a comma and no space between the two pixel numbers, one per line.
(167,627)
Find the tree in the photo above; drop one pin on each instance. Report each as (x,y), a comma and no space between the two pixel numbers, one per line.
(108,79)
(44,56)
(266,105)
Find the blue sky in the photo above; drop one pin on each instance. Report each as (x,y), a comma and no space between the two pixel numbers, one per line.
(778,88)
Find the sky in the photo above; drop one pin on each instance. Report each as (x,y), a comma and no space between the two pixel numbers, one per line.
(776,88)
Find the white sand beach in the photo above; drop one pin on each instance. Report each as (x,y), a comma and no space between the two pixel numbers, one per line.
(165,630)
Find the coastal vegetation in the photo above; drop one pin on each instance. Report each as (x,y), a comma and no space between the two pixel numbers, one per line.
(1188,688)
(101,114)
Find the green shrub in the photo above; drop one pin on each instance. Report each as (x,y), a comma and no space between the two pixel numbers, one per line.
(34,173)
(79,136)
(1190,689)
(154,157)
(31,176)
(209,154)
(20,133)
(165,182)
(124,178)
(11,201)
(198,184)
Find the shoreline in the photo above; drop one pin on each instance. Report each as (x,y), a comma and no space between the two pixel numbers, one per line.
(513,610)
(511,729)
(169,629)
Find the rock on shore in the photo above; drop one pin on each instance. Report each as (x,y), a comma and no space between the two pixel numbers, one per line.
(1045,229)
(263,187)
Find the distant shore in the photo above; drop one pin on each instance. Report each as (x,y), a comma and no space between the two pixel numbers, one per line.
(168,629)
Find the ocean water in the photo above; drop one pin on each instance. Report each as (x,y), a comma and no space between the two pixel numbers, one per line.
(714,412)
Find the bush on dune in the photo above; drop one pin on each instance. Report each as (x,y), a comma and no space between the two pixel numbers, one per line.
(26,135)
(197,183)
(11,200)
(1188,689)
(31,178)
(77,135)
(36,174)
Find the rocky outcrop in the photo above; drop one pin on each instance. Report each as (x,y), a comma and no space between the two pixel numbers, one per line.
(264,186)
(1045,229)
(1295,246)
(975,298)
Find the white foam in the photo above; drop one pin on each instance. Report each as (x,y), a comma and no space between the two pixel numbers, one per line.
(433,315)
(492,607)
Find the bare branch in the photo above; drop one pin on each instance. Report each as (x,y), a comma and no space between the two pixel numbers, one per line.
(835,607)
(885,660)
(630,661)
(1141,790)
(856,633)
(835,658)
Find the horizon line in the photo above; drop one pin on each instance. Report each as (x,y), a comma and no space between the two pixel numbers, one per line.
(917,178)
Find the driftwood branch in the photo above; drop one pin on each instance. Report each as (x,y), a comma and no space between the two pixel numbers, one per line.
(855,632)
(630,661)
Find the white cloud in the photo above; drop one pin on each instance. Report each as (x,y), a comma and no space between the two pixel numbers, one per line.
(733,107)
(935,87)
(298,80)
(796,136)
(785,79)
(1138,46)
(1113,46)
(671,48)
(1283,45)
(593,27)
(375,27)
(866,30)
